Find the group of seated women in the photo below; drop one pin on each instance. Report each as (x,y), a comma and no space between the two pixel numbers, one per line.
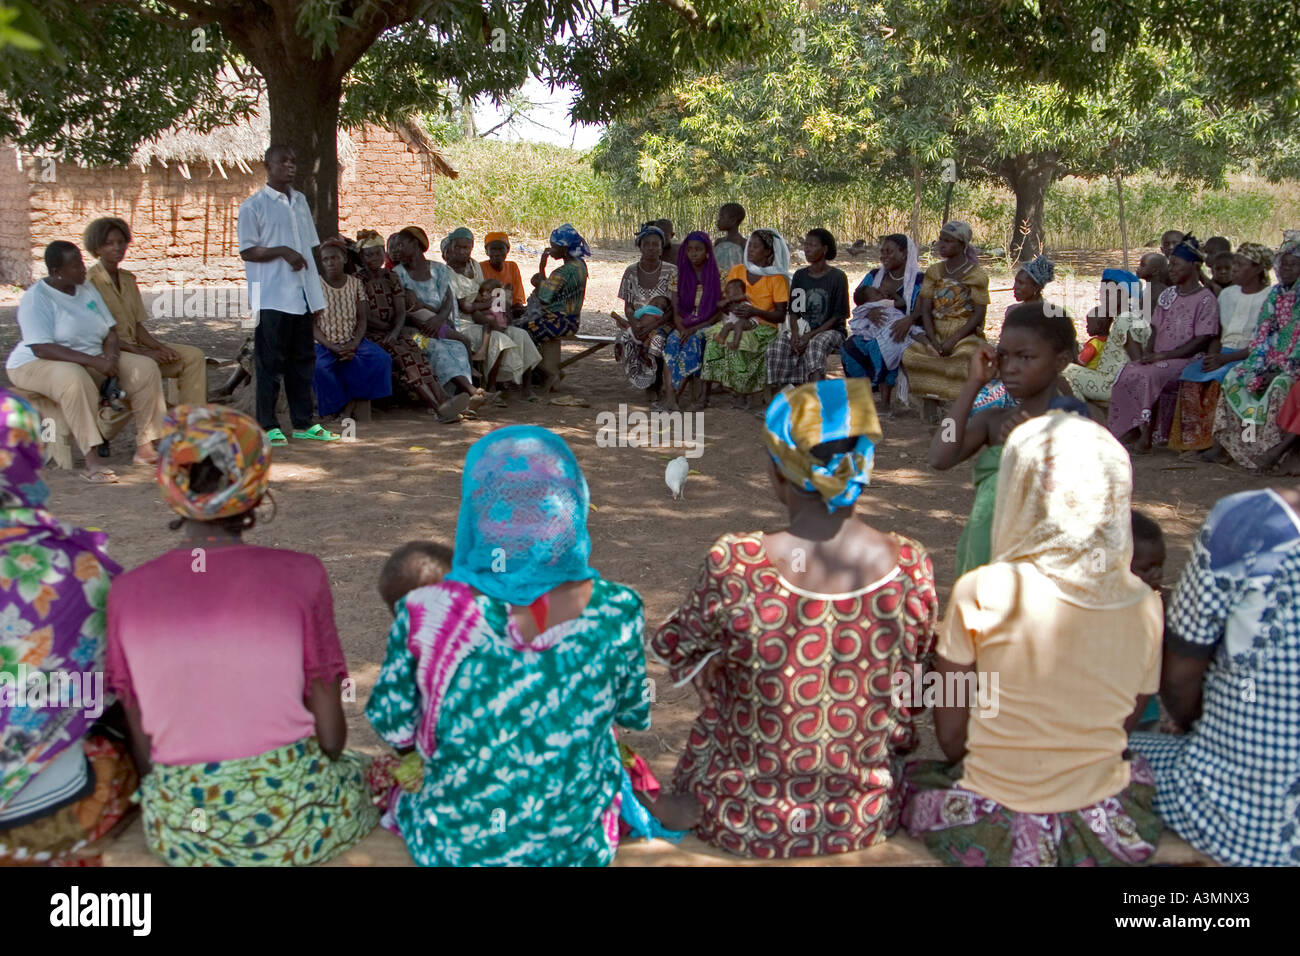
(85,348)
(393,320)
(814,649)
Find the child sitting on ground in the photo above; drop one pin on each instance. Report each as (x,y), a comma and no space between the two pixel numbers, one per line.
(1037,343)
(419,564)
(734,325)
(1098,331)
(1149,564)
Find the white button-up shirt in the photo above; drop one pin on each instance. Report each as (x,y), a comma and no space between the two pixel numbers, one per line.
(269,218)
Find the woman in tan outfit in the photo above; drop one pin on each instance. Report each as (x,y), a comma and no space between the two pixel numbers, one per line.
(106,239)
(70,346)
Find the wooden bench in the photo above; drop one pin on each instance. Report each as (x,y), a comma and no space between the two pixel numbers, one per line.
(382,848)
(59,449)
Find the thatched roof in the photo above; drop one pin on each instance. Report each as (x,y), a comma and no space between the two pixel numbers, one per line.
(241,145)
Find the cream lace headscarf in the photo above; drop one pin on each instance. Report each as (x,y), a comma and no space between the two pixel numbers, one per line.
(1063,506)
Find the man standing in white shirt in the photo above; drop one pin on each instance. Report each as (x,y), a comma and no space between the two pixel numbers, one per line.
(277,239)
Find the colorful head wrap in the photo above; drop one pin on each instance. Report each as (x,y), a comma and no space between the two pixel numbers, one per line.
(1290,245)
(1041,269)
(522,528)
(419,235)
(1257,253)
(236,445)
(649,229)
(1126,280)
(21,485)
(688,282)
(961,231)
(647,310)
(492,237)
(799,419)
(1189,250)
(1063,506)
(52,605)
(568,237)
(460,232)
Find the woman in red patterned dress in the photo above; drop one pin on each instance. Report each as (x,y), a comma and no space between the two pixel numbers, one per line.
(796,641)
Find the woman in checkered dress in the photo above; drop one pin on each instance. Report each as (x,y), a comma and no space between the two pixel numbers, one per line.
(1230,785)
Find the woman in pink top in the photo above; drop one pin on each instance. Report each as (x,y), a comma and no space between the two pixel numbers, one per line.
(234,706)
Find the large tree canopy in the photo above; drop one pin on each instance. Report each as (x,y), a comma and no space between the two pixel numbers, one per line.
(120,71)
(844,101)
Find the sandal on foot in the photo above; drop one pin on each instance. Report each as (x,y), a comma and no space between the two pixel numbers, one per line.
(276,437)
(450,410)
(315,433)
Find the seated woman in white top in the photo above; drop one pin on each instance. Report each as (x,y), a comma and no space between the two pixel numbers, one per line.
(70,346)
(1240,304)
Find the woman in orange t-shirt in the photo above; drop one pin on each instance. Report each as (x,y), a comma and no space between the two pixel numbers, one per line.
(767,286)
(497,266)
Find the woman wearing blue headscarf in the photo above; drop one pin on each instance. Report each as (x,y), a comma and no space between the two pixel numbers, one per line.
(508,676)
(1118,306)
(798,642)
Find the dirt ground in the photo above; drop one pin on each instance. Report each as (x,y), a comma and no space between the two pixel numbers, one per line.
(352,503)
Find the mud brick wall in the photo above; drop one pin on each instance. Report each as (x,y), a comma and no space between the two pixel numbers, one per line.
(185,228)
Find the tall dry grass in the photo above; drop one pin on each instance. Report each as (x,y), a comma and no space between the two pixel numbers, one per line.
(532,187)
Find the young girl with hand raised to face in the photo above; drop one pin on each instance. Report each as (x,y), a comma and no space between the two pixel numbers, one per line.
(1037,343)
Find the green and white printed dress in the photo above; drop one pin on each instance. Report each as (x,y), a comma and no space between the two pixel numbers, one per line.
(520,762)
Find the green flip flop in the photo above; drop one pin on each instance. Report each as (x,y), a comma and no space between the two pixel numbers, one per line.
(316,433)
(276,437)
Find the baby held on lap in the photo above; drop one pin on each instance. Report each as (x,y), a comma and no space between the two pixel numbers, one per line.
(875,319)
(734,325)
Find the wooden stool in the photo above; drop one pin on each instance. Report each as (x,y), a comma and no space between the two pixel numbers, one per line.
(59,447)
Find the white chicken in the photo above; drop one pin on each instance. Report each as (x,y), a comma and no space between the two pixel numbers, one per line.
(675,476)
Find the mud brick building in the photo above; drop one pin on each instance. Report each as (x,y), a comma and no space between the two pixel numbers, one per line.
(181,196)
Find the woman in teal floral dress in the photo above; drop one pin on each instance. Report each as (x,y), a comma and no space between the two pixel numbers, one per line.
(507,678)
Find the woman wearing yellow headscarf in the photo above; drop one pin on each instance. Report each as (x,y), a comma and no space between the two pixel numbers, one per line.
(795,641)
(1047,655)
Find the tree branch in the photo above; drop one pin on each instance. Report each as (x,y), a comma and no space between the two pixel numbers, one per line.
(683,7)
(195,12)
(504,122)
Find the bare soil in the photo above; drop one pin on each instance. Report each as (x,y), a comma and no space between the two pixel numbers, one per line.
(352,503)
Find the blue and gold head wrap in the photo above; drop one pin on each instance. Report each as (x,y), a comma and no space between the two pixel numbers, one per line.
(800,419)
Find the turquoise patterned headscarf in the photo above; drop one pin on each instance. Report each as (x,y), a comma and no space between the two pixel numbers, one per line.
(522,528)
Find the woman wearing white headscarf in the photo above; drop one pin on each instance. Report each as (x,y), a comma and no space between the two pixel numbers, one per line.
(766,274)
(1063,642)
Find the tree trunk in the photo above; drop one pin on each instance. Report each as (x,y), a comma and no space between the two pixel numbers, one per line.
(304,107)
(303,92)
(1028,175)
(1123,223)
(915,224)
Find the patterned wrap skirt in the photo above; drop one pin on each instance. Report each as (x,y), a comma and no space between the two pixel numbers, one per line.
(66,836)
(784,367)
(963,828)
(291,806)
(684,357)
(742,370)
